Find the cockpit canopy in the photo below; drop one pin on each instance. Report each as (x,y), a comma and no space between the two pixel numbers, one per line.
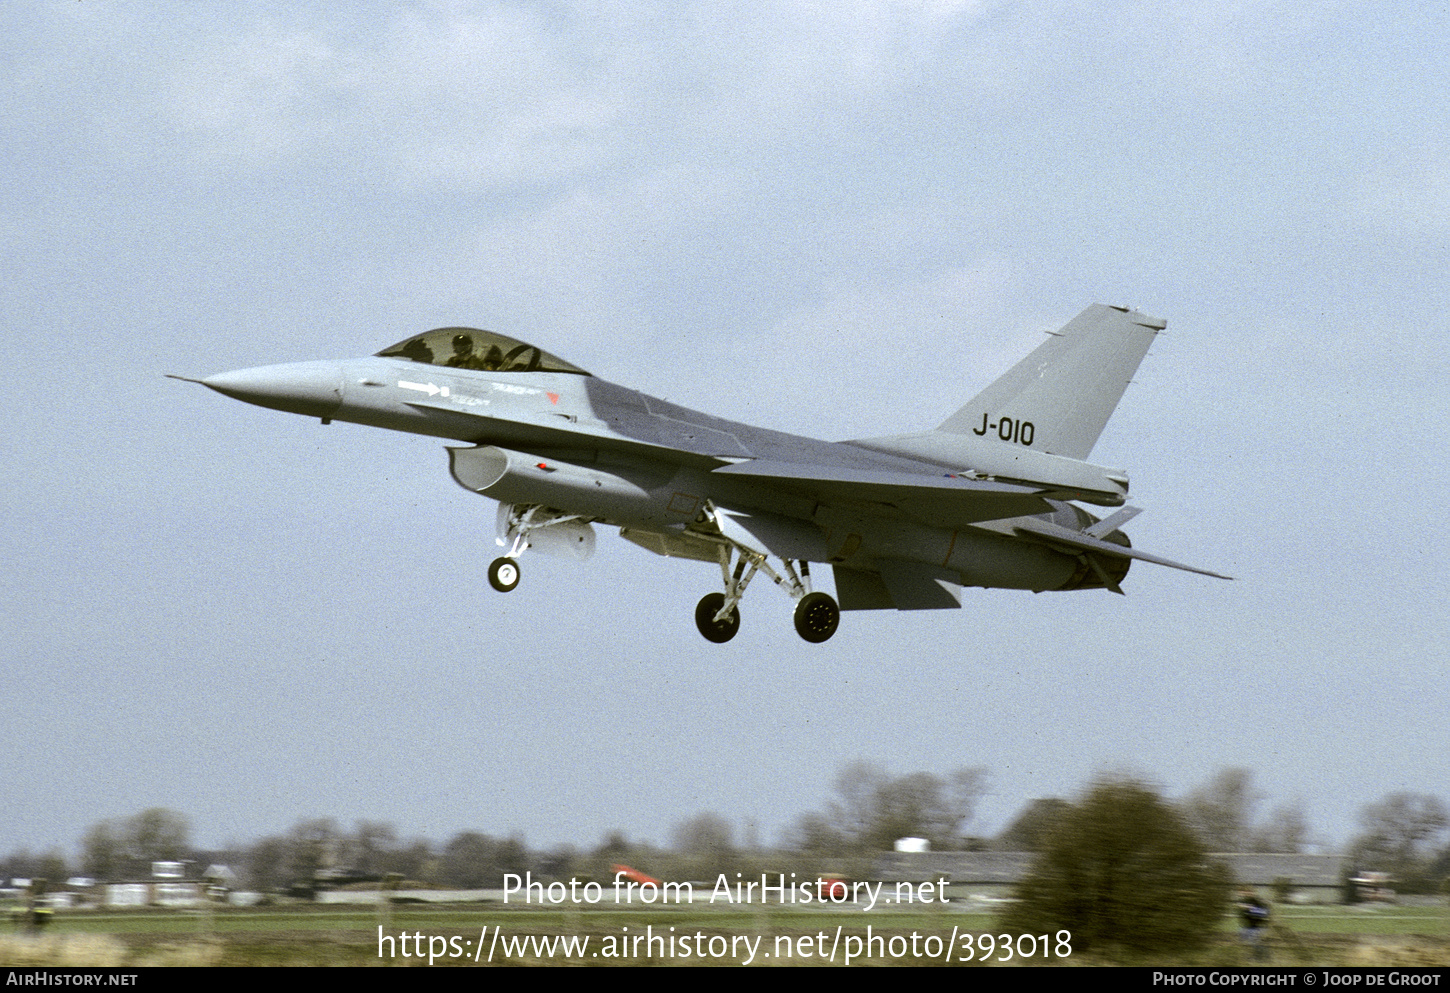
(470,348)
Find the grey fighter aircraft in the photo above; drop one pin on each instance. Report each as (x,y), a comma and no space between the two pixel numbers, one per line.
(988,498)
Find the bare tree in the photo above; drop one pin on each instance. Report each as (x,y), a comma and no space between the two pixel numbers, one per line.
(413,860)
(158,835)
(1221,811)
(370,844)
(854,812)
(474,860)
(704,834)
(911,806)
(126,847)
(815,833)
(967,785)
(1400,835)
(102,852)
(1286,830)
(873,809)
(313,846)
(268,864)
(708,842)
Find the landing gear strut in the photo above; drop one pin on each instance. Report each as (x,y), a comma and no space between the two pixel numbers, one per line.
(718,617)
(521,527)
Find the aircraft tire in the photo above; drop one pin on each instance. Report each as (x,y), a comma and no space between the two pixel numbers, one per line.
(721,631)
(817,617)
(503,574)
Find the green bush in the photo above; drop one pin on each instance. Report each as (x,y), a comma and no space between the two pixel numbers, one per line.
(1122,871)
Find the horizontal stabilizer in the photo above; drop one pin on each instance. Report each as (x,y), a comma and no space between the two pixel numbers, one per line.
(1056,534)
(943,500)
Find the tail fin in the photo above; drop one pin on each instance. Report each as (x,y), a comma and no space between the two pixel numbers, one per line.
(1059,398)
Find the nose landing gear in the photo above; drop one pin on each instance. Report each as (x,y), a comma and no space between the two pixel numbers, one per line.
(521,527)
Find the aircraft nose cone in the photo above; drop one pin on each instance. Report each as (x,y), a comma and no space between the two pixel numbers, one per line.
(310,388)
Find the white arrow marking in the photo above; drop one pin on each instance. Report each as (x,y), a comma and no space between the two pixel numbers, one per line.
(427,388)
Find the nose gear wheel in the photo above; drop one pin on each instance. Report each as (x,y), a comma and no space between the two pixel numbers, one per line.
(503,574)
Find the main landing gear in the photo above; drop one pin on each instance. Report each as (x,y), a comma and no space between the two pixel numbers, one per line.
(817,617)
(718,614)
(719,631)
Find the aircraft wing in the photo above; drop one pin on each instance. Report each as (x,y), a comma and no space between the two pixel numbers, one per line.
(943,500)
(1056,534)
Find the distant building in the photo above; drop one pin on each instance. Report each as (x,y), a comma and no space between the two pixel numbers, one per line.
(1311,878)
(994,875)
(167,887)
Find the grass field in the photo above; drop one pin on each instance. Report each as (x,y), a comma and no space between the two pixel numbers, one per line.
(304,935)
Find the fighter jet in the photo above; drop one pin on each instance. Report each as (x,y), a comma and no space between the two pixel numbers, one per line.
(988,498)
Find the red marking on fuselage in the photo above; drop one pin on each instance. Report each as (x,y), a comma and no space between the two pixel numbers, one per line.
(553,397)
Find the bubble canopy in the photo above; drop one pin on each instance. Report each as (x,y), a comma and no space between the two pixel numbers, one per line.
(471,348)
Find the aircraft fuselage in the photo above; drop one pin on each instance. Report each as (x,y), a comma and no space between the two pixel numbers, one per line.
(586,446)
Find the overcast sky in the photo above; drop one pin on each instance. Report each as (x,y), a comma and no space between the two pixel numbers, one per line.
(837,219)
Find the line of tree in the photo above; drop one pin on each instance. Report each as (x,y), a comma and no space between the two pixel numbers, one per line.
(872,809)
(1404,834)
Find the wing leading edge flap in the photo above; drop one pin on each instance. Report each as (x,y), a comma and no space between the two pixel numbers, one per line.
(1056,534)
(944,499)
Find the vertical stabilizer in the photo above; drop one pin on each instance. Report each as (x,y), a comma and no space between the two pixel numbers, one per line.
(1060,397)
